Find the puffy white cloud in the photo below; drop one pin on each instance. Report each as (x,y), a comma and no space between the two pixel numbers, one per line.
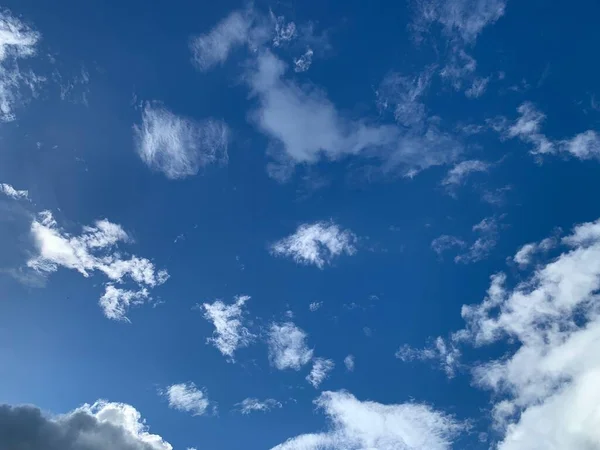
(305,127)
(95,249)
(349,363)
(525,255)
(527,127)
(103,425)
(229,334)
(462,170)
(446,242)
(17,41)
(320,371)
(13,193)
(287,346)
(318,243)
(546,387)
(187,397)
(250,405)
(359,424)
(179,146)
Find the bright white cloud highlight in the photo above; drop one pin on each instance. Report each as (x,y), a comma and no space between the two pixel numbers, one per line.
(229,334)
(359,424)
(317,244)
(287,346)
(320,371)
(13,193)
(250,405)
(178,146)
(187,397)
(95,250)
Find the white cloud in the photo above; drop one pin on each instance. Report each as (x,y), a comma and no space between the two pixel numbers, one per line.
(478,87)
(303,63)
(404,95)
(318,243)
(370,425)
(305,127)
(250,405)
(99,426)
(320,371)
(487,230)
(178,146)
(462,170)
(349,363)
(187,397)
(284,31)
(545,388)
(525,255)
(95,249)
(17,41)
(527,127)
(446,353)
(13,193)
(314,306)
(446,242)
(287,346)
(229,334)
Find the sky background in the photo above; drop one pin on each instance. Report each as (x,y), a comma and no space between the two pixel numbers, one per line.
(378,160)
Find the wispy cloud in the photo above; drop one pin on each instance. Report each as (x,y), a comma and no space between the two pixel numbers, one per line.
(250,405)
(478,87)
(95,249)
(303,63)
(318,244)
(314,306)
(13,193)
(17,41)
(446,353)
(458,174)
(446,242)
(404,95)
(349,363)
(99,426)
(487,230)
(287,346)
(187,397)
(367,424)
(320,371)
(229,334)
(179,146)
(527,127)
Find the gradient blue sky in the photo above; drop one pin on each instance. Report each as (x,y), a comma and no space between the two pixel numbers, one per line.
(361,170)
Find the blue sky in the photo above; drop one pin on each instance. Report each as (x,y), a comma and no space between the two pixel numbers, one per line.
(299,225)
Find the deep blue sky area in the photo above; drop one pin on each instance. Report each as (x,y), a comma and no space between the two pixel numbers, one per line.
(359,169)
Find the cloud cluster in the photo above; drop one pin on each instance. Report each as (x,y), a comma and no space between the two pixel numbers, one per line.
(527,127)
(317,244)
(13,193)
(99,426)
(250,405)
(320,371)
(95,250)
(487,231)
(359,424)
(187,397)
(178,146)
(229,334)
(17,41)
(287,346)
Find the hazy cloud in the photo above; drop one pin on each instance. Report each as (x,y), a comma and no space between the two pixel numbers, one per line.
(320,371)
(287,346)
(250,405)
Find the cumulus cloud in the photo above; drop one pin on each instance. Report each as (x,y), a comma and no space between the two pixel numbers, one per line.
(318,244)
(17,41)
(545,388)
(95,249)
(229,334)
(458,174)
(187,397)
(525,255)
(178,146)
(91,427)
(349,363)
(250,405)
(370,425)
(320,371)
(527,128)
(287,346)
(305,127)
(13,193)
